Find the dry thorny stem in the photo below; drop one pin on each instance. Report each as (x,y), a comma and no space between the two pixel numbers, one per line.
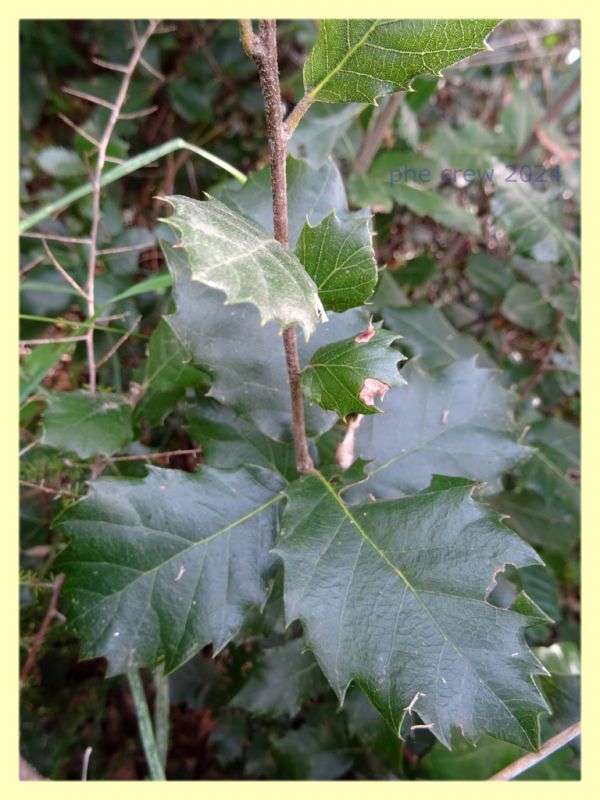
(115,114)
(375,136)
(262,48)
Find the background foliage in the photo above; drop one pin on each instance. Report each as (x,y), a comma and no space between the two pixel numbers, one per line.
(475,270)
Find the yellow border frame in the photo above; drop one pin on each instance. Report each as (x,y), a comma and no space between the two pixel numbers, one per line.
(589,14)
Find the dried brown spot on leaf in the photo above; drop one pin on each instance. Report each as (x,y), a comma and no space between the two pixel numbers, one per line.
(371,389)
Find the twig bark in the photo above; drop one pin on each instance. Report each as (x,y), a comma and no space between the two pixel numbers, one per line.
(262,48)
(41,634)
(531,759)
(96,179)
(373,139)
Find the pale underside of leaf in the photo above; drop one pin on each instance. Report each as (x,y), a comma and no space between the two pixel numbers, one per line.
(392,595)
(159,568)
(230,252)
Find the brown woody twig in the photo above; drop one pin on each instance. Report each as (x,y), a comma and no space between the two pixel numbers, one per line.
(41,634)
(531,759)
(262,48)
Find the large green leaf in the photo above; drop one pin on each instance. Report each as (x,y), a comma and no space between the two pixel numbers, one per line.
(87,424)
(338,256)
(362,59)
(427,333)
(246,360)
(229,252)
(159,568)
(526,307)
(392,595)
(347,377)
(456,420)
(312,193)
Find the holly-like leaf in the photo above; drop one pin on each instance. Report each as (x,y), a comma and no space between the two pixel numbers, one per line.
(362,59)
(229,252)
(165,376)
(246,360)
(456,420)
(312,194)
(427,333)
(347,377)
(392,595)
(283,680)
(87,424)
(338,256)
(159,568)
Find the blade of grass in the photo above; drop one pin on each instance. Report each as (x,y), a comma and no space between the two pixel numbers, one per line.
(112,175)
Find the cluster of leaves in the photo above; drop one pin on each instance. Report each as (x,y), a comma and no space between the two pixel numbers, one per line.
(380,581)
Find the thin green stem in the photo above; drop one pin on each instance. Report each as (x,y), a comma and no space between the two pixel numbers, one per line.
(161,714)
(145,727)
(112,175)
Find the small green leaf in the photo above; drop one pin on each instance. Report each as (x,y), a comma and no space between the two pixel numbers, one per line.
(338,256)
(533,219)
(87,424)
(60,163)
(161,567)
(526,307)
(362,59)
(347,377)
(229,252)
(430,203)
(392,596)
(165,376)
(284,679)
(493,278)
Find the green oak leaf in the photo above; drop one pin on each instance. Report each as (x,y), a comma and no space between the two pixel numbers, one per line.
(87,424)
(338,256)
(358,60)
(392,596)
(454,420)
(229,252)
(347,377)
(159,568)
(283,680)
(246,360)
